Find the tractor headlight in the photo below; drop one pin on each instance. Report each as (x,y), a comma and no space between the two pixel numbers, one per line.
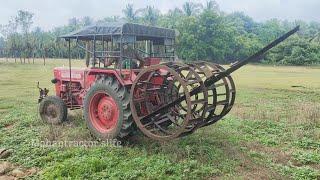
(55,80)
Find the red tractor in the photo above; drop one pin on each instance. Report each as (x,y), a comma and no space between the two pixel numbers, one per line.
(124,84)
(118,52)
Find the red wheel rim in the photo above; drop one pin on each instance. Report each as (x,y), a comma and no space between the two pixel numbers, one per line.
(104,112)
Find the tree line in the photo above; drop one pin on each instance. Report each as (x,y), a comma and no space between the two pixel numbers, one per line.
(205,33)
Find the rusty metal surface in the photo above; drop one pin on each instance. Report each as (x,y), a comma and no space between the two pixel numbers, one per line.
(174,99)
(159,85)
(221,94)
(175,81)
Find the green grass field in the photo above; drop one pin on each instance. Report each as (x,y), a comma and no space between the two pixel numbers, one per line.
(273,132)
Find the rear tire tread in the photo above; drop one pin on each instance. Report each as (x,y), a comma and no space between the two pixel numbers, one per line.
(123,95)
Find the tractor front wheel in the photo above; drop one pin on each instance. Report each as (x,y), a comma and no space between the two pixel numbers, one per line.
(53,110)
(106,109)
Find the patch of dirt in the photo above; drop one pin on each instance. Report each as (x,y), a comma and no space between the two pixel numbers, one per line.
(3,110)
(9,126)
(5,167)
(252,170)
(17,173)
(7,178)
(9,171)
(315,166)
(279,157)
(248,169)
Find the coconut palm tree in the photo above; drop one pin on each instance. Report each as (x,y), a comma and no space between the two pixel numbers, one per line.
(87,21)
(175,12)
(130,13)
(190,8)
(150,15)
(212,5)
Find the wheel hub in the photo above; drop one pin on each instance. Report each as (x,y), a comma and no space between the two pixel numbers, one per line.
(104,112)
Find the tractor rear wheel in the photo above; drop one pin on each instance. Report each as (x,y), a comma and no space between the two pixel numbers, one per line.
(53,110)
(106,109)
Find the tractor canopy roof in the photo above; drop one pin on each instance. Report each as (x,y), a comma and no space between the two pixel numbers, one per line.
(130,31)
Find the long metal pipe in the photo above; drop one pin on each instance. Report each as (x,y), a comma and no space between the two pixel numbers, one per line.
(215,78)
(70,76)
(252,58)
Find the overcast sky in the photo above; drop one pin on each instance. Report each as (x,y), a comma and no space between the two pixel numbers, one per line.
(51,13)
